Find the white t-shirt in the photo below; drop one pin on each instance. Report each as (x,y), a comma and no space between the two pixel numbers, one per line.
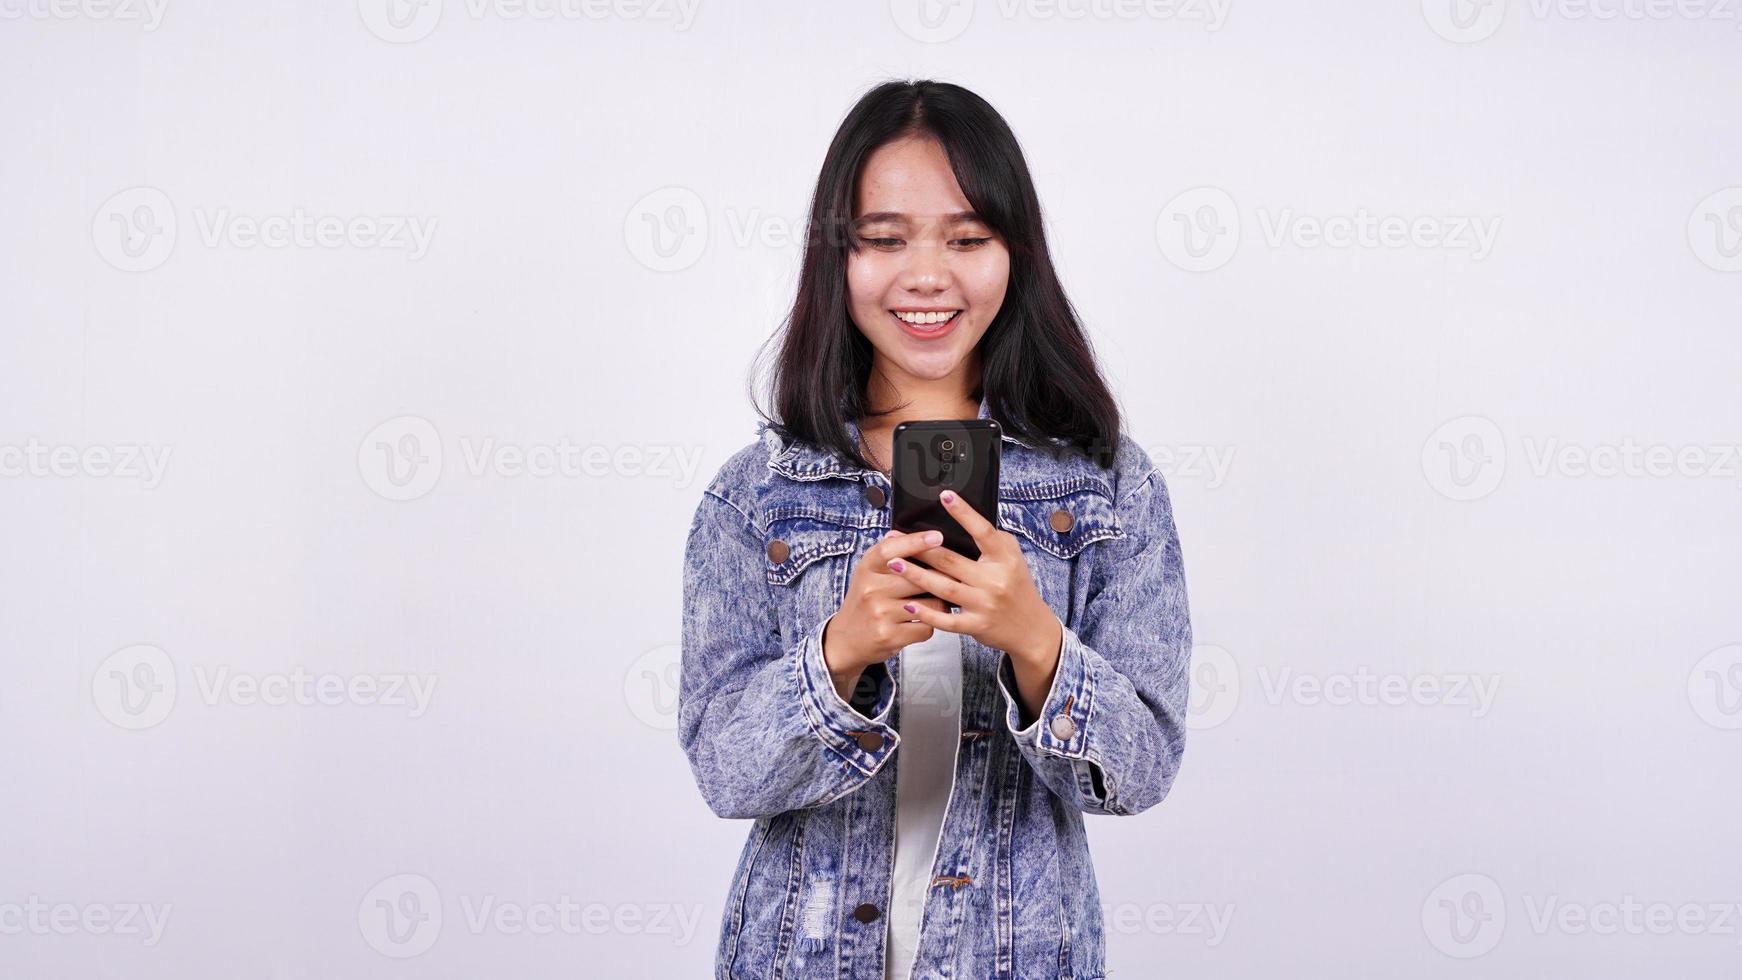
(930,722)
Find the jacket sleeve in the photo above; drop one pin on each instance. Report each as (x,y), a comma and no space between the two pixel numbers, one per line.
(758,714)
(1111,732)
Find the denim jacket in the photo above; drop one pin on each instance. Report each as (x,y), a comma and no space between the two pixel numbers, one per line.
(1013,894)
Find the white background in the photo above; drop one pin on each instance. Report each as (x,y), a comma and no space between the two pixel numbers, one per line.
(1400,498)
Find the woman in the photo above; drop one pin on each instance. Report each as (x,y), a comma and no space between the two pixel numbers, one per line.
(918,776)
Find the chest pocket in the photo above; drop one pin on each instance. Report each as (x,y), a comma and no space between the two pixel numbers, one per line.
(1055,522)
(806,560)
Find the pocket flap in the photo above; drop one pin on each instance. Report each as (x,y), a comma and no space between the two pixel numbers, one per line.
(794,544)
(1061,519)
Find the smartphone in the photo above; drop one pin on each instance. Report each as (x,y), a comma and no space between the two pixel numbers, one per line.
(933,456)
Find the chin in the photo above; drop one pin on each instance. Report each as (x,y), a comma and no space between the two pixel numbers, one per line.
(934,368)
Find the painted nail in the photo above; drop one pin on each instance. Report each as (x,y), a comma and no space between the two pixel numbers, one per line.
(948,496)
(910,607)
(895,565)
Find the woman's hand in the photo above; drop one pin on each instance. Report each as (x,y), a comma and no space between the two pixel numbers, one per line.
(871,626)
(1000,606)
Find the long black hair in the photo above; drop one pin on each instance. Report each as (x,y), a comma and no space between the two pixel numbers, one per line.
(1037,369)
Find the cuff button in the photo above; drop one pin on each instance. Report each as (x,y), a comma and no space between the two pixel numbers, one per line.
(1063,728)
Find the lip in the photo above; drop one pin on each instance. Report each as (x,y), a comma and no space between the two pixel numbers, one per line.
(919,334)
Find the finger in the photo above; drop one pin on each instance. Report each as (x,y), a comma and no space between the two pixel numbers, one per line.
(952,563)
(894,585)
(897,544)
(906,608)
(947,621)
(937,583)
(980,529)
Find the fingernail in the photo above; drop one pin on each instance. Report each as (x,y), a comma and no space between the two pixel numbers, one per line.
(948,496)
(934,537)
(895,565)
(890,534)
(910,607)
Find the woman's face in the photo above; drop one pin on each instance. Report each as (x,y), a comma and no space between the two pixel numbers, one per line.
(922,255)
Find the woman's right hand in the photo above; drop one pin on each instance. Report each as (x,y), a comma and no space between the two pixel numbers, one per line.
(870,627)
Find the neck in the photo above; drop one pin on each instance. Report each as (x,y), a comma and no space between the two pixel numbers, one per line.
(913,399)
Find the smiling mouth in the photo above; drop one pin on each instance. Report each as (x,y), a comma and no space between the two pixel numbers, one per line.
(926,324)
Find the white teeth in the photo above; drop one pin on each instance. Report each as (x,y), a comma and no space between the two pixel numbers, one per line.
(926,319)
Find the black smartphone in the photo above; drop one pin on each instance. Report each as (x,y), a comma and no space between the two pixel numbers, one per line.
(933,456)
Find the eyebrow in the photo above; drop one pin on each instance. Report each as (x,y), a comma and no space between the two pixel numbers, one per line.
(958,217)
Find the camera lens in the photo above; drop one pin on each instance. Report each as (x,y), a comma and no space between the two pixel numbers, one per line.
(947,445)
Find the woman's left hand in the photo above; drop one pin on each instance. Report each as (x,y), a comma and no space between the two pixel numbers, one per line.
(1000,606)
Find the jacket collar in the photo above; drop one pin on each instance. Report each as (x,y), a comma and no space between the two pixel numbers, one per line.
(800,460)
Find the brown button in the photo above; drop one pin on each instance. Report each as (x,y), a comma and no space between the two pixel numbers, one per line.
(866,913)
(874,495)
(1062,520)
(870,741)
(778,551)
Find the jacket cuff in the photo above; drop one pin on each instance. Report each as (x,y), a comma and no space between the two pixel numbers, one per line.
(864,741)
(1061,729)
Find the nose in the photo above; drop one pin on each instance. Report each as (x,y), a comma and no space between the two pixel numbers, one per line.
(927,269)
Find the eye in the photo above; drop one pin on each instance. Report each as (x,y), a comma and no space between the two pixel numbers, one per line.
(972,242)
(880,242)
